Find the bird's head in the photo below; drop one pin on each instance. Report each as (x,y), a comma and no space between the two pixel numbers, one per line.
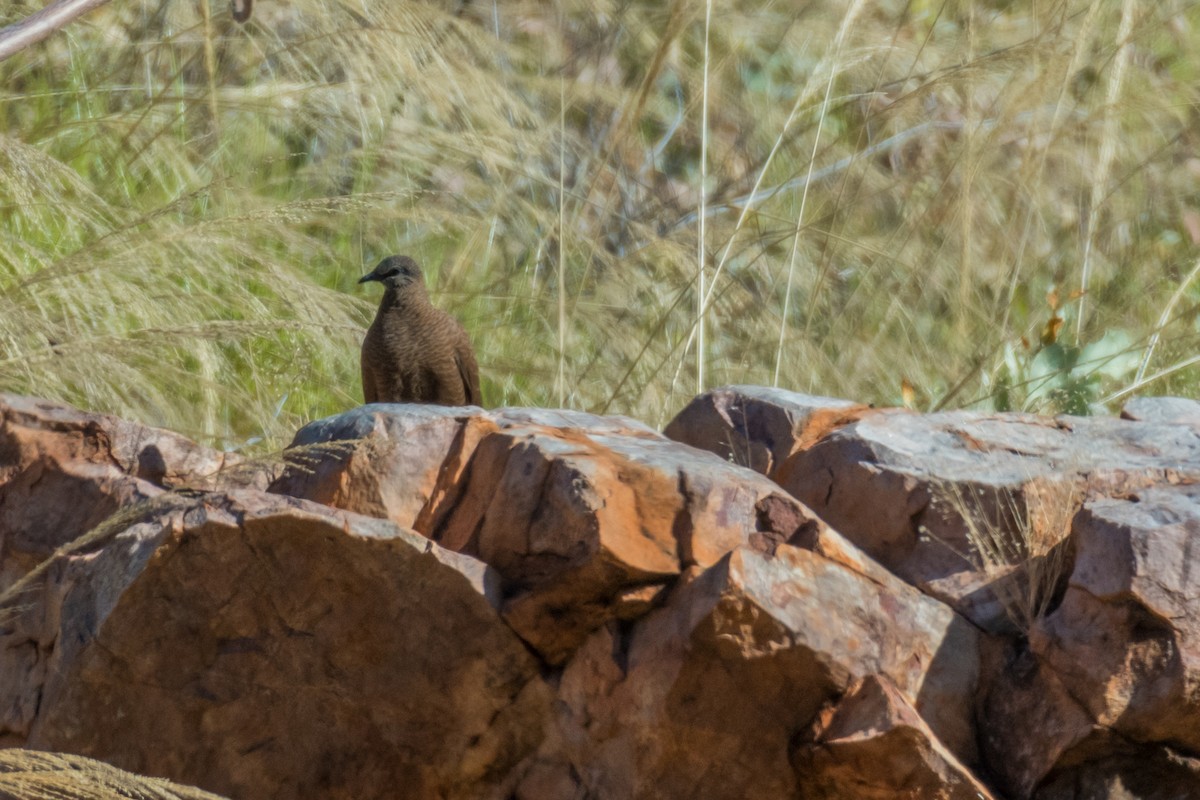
(396,272)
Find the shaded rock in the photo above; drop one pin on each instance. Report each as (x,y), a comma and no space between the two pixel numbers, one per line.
(31,775)
(705,696)
(1137,773)
(63,471)
(1165,410)
(1028,719)
(1126,637)
(758,426)
(586,518)
(261,646)
(1114,668)
(874,746)
(901,485)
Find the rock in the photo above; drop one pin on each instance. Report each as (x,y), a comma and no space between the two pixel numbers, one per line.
(1126,637)
(1136,773)
(586,518)
(1116,661)
(381,460)
(757,426)
(704,696)
(29,775)
(902,485)
(874,746)
(1165,410)
(63,471)
(536,604)
(1028,719)
(261,646)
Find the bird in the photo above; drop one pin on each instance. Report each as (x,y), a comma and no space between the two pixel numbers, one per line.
(414,352)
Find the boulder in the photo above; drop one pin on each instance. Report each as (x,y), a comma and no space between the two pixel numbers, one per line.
(707,695)
(63,471)
(1116,662)
(586,519)
(1132,773)
(379,460)
(1028,720)
(1126,637)
(759,426)
(261,646)
(954,502)
(874,746)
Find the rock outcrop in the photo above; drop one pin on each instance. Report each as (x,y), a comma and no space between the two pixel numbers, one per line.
(1070,540)
(64,471)
(587,519)
(833,601)
(259,646)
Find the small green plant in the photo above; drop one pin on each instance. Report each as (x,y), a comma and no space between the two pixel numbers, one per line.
(1054,376)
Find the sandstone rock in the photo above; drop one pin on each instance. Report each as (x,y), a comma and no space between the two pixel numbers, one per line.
(30,775)
(260,646)
(1166,410)
(758,426)
(715,637)
(586,518)
(63,471)
(379,460)
(704,696)
(1115,663)
(874,746)
(1028,720)
(900,485)
(1126,637)
(1136,773)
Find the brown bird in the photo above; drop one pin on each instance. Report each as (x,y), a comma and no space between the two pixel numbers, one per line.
(414,352)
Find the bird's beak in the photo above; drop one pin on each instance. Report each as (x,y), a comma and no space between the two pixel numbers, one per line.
(370,276)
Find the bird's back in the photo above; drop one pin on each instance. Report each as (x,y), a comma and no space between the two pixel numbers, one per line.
(416,353)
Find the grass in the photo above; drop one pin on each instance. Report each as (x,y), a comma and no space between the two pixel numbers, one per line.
(1020,541)
(871,194)
(51,776)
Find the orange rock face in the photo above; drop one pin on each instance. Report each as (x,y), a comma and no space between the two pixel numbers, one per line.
(585,518)
(707,694)
(290,650)
(63,471)
(875,746)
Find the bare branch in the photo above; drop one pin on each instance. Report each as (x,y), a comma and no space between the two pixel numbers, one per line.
(38,26)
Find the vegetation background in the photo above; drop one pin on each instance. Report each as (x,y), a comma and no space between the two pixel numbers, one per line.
(954,203)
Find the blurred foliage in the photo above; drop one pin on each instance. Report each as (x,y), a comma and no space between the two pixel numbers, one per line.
(186,202)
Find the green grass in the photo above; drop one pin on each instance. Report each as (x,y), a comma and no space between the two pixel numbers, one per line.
(185,207)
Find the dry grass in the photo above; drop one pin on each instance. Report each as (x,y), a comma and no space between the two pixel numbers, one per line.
(32,775)
(890,192)
(1020,542)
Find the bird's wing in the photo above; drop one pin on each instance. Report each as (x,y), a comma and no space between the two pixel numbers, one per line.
(468,370)
(370,392)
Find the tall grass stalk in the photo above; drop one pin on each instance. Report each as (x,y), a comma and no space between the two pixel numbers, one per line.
(1108,144)
(702,239)
(833,59)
